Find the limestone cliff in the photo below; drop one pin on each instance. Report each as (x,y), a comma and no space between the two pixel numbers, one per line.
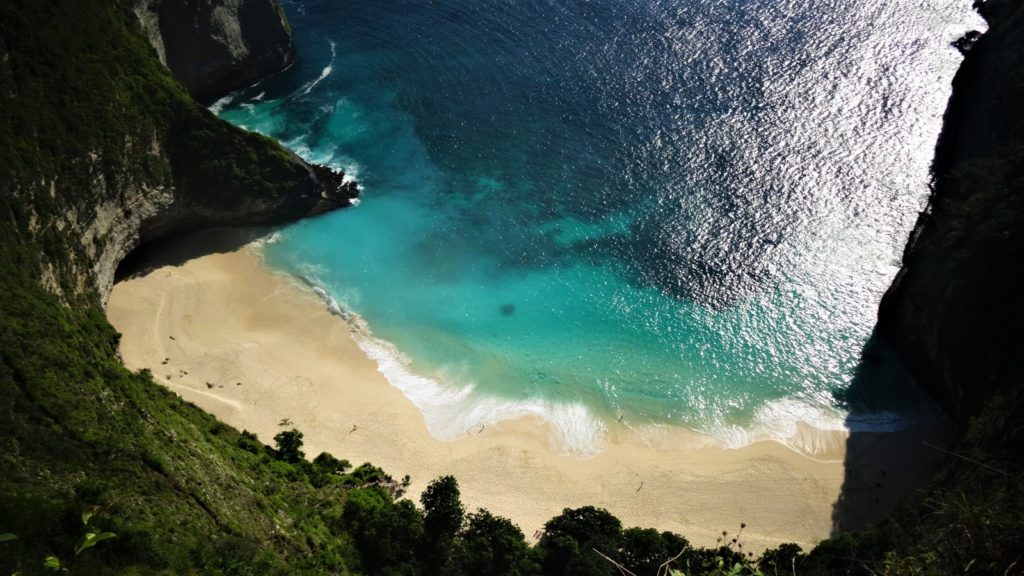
(101,150)
(104,151)
(215,46)
(955,310)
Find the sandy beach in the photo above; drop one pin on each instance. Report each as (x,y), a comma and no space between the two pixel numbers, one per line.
(255,348)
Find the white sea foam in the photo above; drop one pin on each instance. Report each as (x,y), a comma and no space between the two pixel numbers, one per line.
(451,412)
(220,104)
(332,305)
(300,147)
(323,73)
(351,170)
(327,156)
(271,238)
(780,421)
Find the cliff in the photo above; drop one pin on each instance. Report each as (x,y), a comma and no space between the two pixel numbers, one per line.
(954,314)
(955,310)
(215,46)
(101,151)
(104,151)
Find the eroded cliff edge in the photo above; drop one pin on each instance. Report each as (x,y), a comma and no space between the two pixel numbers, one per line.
(105,151)
(216,46)
(101,150)
(956,309)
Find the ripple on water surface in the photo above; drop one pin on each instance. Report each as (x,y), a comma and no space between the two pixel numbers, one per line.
(667,212)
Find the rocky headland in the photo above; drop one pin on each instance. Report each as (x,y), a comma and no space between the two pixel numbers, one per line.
(955,310)
(215,46)
(104,150)
(135,159)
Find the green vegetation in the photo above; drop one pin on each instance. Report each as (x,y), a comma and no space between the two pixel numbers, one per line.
(88,117)
(185,492)
(955,314)
(289,447)
(89,540)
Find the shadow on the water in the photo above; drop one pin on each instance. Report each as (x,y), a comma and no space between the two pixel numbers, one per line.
(884,467)
(180,249)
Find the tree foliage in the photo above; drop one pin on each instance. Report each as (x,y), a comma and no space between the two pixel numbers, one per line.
(490,544)
(83,98)
(289,446)
(570,539)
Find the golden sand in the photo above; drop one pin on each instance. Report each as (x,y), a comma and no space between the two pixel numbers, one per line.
(254,348)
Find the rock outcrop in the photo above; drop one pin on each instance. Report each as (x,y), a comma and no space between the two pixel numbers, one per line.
(134,212)
(215,46)
(956,309)
(104,151)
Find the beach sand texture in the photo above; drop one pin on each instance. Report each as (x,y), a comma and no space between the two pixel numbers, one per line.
(254,348)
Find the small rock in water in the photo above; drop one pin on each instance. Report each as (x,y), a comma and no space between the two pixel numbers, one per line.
(507,309)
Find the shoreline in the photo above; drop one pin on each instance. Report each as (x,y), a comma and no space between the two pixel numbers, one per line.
(254,347)
(811,432)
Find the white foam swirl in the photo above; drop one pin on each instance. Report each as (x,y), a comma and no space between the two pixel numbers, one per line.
(452,412)
(323,73)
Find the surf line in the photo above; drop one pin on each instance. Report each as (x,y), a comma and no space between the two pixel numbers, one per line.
(323,73)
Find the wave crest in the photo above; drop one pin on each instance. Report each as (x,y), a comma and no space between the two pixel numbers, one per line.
(452,412)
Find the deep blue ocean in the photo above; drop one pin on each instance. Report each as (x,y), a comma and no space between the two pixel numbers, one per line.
(614,213)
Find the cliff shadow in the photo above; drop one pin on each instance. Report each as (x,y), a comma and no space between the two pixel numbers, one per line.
(897,441)
(178,250)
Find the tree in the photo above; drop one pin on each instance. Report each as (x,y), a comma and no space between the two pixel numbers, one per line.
(781,561)
(644,550)
(386,533)
(442,508)
(289,446)
(328,463)
(442,520)
(570,540)
(492,545)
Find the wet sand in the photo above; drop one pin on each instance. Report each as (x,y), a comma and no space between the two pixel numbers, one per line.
(255,348)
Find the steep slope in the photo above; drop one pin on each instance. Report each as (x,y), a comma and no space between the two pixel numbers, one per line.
(104,151)
(954,314)
(215,46)
(954,311)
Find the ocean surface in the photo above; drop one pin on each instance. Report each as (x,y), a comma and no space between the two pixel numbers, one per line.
(614,213)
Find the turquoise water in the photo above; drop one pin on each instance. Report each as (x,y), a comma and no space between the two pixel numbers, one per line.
(610,213)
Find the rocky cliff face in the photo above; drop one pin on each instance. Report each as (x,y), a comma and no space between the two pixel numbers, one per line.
(215,46)
(132,211)
(101,151)
(104,151)
(956,308)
